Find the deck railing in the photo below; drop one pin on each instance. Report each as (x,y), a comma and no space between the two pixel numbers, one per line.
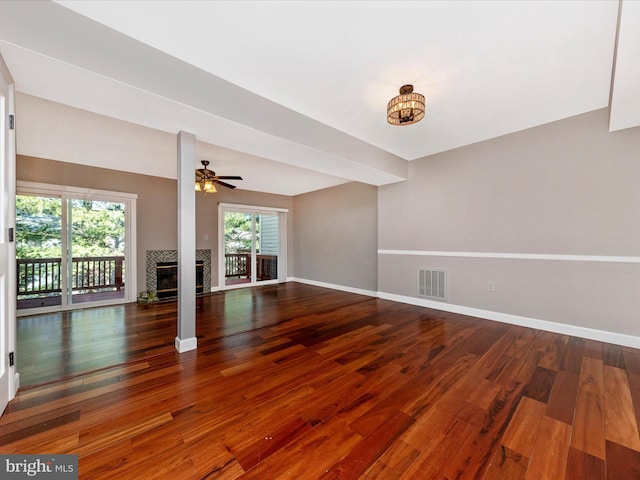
(238,265)
(38,276)
(41,276)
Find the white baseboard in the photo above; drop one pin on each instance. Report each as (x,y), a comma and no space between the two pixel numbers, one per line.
(186,344)
(333,286)
(583,332)
(16,386)
(561,328)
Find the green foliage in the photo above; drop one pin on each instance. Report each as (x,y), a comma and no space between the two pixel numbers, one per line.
(237,232)
(97,227)
(38,227)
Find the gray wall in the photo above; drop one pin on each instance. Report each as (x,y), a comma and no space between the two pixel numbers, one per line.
(560,190)
(156,206)
(335,236)
(565,188)
(157,220)
(56,142)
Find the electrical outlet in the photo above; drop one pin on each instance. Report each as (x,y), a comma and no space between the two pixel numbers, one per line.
(491,286)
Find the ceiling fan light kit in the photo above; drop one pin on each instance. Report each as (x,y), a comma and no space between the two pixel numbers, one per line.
(206,179)
(206,186)
(407,108)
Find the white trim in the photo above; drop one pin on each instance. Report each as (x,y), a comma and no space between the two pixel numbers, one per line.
(283,260)
(573,330)
(221,259)
(333,286)
(236,286)
(131,249)
(187,344)
(23,186)
(516,256)
(253,207)
(74,306)
(281,214)
(9,383)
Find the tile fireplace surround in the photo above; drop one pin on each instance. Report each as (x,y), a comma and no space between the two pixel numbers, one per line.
(155,256)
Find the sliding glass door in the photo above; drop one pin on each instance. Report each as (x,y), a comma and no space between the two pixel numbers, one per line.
(238,247)
(251,245)
(39,251)
(72,247)
(267,243)
(96,266)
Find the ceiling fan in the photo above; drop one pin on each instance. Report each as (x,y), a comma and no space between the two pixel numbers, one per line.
(206,178)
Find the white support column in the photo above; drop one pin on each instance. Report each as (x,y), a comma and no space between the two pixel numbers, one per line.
(186,339)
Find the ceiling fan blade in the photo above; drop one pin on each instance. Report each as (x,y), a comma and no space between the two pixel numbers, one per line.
(227,177)
(224,184)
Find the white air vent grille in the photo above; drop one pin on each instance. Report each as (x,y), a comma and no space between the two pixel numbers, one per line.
(432,284)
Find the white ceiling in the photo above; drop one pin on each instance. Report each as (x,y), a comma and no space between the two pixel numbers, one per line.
(295,91)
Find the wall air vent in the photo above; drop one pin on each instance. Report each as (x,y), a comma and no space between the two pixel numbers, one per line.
(432,284)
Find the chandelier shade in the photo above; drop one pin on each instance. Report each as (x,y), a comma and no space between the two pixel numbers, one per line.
(407,108)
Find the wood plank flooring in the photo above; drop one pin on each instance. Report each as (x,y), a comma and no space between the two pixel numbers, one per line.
(296,381)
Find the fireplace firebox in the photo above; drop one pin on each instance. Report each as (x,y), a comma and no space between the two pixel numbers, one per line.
(167,279)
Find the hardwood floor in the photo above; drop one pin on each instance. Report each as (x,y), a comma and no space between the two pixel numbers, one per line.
(296,381)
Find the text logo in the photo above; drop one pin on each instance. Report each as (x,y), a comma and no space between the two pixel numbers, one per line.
(50,467)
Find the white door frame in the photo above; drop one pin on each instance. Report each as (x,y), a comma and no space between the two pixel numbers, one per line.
(68,192)
(282,256)
(9,379)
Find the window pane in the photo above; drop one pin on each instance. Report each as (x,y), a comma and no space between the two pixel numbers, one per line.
(38,251)
(97,270)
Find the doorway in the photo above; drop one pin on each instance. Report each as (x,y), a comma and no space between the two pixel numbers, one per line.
(73,247)
(8,378)
(252,245)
